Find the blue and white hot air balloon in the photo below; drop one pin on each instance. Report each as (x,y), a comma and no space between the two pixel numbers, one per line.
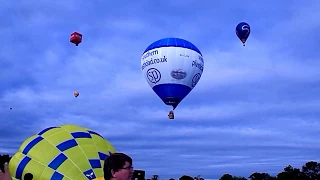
(172,67)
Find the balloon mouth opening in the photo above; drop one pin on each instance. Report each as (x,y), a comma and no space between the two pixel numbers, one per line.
(171,101)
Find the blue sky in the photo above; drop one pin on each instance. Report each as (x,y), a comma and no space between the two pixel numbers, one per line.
(257,106)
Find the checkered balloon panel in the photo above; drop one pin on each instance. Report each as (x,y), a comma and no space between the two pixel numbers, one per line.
(67,152)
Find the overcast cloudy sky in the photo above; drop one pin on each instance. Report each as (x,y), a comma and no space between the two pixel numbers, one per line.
(256,108)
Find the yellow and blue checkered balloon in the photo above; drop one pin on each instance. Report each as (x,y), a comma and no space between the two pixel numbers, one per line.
(67,152)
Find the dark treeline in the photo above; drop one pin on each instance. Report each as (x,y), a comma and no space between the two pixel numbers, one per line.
(309,171)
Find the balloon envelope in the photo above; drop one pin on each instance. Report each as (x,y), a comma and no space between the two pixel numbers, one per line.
(172,67)
(67,152)
(243,31)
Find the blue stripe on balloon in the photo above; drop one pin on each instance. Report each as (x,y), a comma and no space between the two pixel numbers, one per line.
(67,145)
(57,176)
(172,94)
(57,161)
(45,130)
(81,135)
(173,42)
(102,156)
(92,132)
(31,144)
(95,163)
(23,163)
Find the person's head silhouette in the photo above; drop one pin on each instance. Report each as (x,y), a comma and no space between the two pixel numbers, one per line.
(28,176)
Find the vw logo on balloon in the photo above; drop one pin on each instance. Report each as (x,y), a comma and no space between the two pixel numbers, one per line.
(154,75)
(196,79)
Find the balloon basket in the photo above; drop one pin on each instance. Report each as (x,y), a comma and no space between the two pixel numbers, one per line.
(171,115)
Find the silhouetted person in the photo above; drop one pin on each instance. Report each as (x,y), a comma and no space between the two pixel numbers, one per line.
(185,177)
(28,176)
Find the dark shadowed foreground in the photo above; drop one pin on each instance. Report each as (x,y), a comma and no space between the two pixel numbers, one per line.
(309,171)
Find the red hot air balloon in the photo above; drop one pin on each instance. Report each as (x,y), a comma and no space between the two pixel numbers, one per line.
(76,38)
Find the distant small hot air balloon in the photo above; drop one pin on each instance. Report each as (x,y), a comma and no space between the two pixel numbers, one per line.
(10,108)
(76,94)
(76,38)
(243,31)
